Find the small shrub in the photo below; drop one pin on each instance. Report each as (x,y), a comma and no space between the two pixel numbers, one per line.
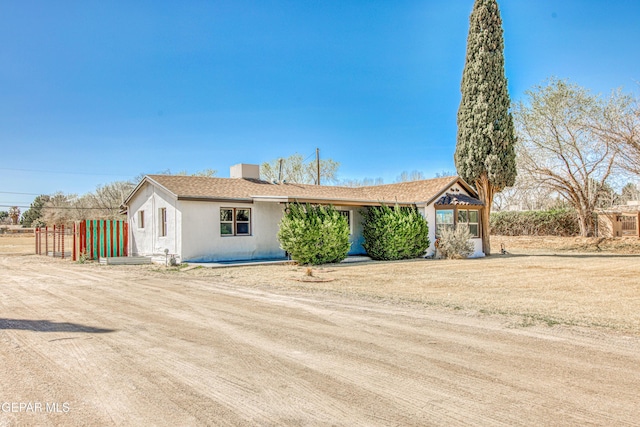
(83,257)
(314,234)
(392,234)
(455,243)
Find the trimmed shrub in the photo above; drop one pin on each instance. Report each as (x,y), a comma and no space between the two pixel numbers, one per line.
(314,234)
(455,243)
(554,222)
(391,234)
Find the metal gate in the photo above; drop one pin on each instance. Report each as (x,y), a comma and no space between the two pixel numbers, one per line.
(629,225)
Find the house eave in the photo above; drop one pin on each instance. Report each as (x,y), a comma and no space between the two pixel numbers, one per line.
(345,202)
(214,199)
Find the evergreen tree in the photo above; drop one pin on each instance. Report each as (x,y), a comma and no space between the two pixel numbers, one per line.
(35,210)
(314,234)
(485,155)
(394,233)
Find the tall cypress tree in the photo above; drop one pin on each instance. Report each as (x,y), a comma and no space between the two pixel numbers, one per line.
(485,155)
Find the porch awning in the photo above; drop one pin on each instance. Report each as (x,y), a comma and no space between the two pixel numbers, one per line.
(458,199)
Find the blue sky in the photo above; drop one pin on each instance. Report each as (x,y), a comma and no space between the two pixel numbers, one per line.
(97,91)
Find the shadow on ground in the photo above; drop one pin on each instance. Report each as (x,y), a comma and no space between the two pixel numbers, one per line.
(48,326)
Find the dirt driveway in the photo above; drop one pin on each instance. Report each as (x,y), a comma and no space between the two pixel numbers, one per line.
(94,345)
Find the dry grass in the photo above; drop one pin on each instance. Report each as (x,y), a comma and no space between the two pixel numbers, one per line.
(531,285)
(542,280)
(17,244)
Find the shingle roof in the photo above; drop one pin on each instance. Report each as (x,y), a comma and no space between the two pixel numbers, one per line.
(458,199)
(193,187)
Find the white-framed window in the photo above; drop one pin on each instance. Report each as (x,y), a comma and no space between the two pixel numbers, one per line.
(348,214)
(470,218)
(162,225)
(235,221)
(444,220)
(449,218)
(141,219)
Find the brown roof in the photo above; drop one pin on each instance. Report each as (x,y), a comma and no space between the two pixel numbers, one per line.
(241,189)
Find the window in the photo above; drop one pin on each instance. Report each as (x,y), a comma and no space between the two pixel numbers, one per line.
(162,216)
(444,220)
(140,219)
(235,222)
(449,218)
(347,214)
(470,219)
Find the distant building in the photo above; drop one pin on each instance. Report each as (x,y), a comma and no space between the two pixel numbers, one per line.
(620,221)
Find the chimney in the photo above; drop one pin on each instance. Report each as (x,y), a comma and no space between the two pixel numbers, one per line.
(243,170)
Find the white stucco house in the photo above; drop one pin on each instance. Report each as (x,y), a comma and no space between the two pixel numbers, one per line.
(202,219)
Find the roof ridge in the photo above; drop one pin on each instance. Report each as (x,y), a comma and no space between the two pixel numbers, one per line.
(245,188)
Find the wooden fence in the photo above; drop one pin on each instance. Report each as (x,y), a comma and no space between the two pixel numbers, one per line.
(91,239)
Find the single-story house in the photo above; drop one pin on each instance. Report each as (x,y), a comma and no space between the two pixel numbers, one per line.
(619,221)
(202,219)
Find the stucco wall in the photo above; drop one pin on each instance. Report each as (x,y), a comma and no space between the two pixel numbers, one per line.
(202,241)
(147,241)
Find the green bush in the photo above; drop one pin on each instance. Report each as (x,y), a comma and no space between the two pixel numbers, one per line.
(554,222)
(455,243)
(391,234)
(314,234)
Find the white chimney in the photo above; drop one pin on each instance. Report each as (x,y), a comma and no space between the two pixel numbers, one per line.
(243,170)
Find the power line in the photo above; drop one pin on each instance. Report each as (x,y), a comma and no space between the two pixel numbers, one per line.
(62,207)
(309,156)
(61,172)
(14,192)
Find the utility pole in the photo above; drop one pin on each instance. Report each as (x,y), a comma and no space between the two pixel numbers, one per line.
(318,164)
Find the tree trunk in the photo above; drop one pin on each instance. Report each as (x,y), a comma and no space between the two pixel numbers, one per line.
(485,193)
(587,224)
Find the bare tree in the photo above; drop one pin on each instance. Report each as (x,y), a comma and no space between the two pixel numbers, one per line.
(106,200)
(525,195)
(59,209)
(365,182)
(294,169)
(620,127)
(208,173)
(414,175)
(445,173)
(559,149)
(14,214)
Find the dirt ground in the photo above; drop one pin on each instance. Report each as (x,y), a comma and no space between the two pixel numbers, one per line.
(544,335)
